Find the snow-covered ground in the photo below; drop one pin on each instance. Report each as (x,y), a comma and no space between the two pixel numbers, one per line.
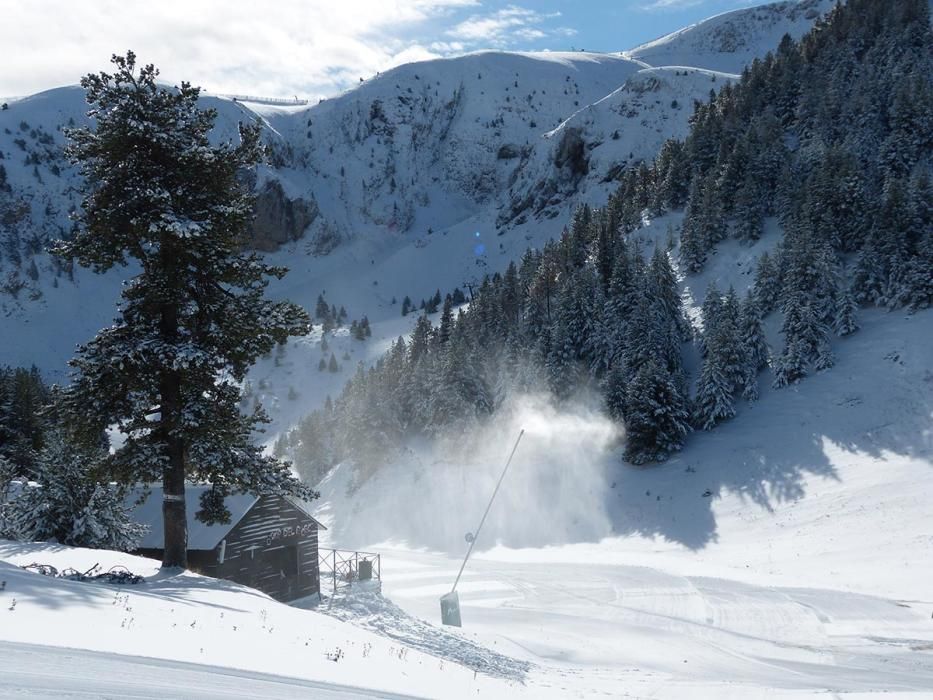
(731,40)
(785,554)
(215,634)
(34,671)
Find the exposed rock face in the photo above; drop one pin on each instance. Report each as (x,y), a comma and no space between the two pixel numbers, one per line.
(571,153)
(324,237)
(278,218)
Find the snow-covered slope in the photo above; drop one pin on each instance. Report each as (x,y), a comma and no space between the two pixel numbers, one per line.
(231,629)
(784,554)
(581,160)
(730,41)
(787,554)
(426,177)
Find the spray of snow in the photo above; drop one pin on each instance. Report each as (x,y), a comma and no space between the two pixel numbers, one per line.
(555,490)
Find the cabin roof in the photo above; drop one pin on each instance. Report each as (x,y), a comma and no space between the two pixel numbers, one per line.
(200,535)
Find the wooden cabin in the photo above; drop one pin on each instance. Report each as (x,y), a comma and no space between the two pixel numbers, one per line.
(270,543)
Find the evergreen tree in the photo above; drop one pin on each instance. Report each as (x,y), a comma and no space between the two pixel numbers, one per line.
(656,417)
(749,210)
(729,343)
(846,320)
(714,399)
(322,310)
(445,327)
(70,504)
(799,349)
(191,323)
(767,283)
(752,335)
(754,346)
(23,398)
(693,245)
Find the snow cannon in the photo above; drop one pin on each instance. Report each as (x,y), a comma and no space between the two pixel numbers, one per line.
(450,609)
(450,603)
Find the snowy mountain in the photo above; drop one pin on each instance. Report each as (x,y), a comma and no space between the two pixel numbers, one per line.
(426,177)
(730,41)
(782,552)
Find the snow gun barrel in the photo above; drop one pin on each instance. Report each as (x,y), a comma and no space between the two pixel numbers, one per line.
(450,602)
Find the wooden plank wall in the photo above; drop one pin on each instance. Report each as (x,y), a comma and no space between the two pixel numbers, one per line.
(254,554)
(254,551)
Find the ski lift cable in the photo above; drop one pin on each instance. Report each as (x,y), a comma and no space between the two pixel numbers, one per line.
(488,507)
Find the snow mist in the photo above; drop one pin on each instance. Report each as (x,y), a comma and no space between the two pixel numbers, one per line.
(555,490)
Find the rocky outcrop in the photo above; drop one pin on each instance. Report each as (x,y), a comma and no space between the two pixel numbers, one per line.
(571,153)
(279,219)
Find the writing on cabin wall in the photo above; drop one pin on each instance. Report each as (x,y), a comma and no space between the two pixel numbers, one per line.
(281,533)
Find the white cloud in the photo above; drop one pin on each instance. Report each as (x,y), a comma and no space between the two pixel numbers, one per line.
(671,4)
(303,47)
(506,26)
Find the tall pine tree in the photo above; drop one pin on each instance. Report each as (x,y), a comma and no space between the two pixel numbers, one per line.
(195,317)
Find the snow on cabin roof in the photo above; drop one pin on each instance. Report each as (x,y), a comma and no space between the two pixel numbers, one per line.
(200,535)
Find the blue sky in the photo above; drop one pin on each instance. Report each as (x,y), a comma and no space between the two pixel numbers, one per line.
(594,25)
(310,48)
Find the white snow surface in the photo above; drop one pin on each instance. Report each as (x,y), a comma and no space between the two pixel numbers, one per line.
(785,554)
(730,41)
(221,637)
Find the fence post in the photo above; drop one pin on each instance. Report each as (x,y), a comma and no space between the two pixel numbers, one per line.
(335,573)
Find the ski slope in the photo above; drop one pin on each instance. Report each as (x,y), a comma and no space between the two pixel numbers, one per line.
(196,632)
(34,671)
(787,553)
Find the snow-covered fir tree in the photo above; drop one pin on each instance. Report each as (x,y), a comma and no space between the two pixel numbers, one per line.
(714,400)
(846,317)
(193,320)
(754,346)
(66,501)
(656,417)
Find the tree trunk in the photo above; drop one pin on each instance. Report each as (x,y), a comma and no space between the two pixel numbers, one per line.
(174,512)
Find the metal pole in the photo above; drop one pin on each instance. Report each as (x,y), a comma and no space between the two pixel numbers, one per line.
(480,527)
